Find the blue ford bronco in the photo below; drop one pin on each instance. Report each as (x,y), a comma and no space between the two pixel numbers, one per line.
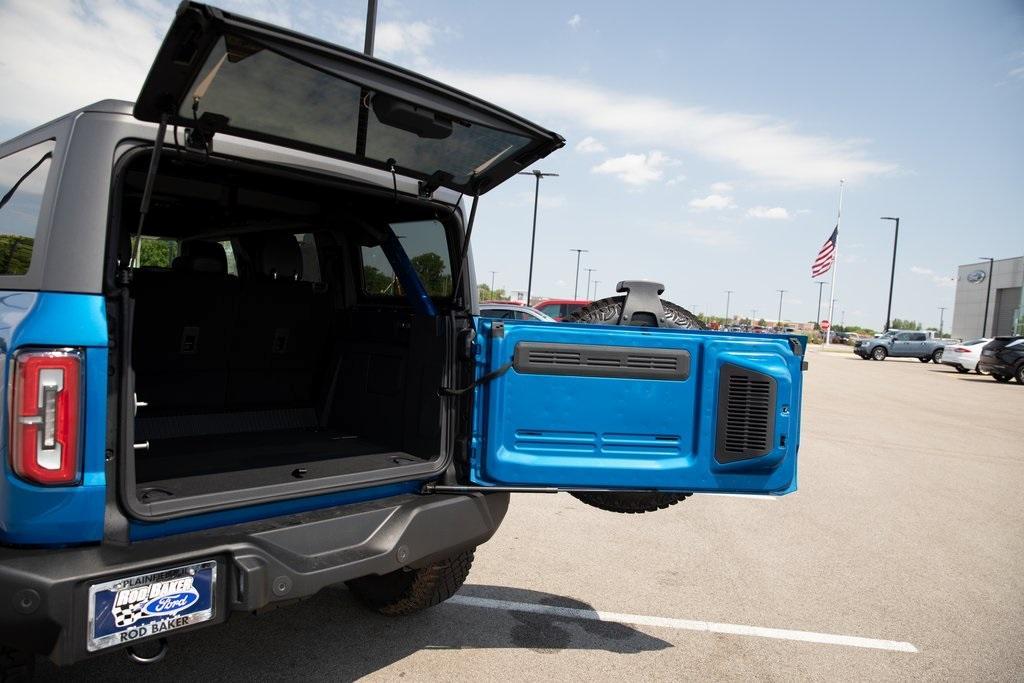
(243,360)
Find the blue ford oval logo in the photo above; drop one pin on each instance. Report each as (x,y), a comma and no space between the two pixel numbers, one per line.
(171,604)
(975,276)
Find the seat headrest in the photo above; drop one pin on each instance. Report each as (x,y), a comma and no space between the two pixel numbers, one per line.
(200,256)
(280,257)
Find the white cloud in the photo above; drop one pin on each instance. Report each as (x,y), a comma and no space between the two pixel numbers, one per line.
(590,145)
(769,212)
(575,21)
(712,201)
(393,39)
(937,280)
(676,180)
(636,169)
(721,188)
(1017,73)
(758,145)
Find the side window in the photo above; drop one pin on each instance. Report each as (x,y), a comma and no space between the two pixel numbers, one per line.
(903,336)
(158,252)
(426,244)
(310,260)
(22,181)
(920,336)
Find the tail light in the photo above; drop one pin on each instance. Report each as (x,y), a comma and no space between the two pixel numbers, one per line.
(46,411)
(961,349)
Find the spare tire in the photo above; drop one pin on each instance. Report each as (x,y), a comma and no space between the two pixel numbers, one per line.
(608,311)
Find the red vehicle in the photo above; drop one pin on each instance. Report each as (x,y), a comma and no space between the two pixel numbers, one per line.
(561,309)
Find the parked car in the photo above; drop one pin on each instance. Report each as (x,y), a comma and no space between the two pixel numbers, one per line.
(901,344)
(560,309)
(965,355)
(1003,358)
(510,311)
(210,411)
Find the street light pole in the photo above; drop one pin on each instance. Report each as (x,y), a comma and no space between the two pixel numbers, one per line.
(728,296)
(892,274)
(817,321)
(533,237)
(371,27)
(942,315)
(988,295)
(781,292)
(576,283)
(493,273)
(590,271)
(596,283)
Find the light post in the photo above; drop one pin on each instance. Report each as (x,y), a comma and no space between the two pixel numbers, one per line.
(942,315)
(753,317)
(576,283)
(781,292)
(892,273)
(493,273)
(371,27)
(596,283)
(533,236)
(817,321)
(728,296)
(590,272)
(988,295)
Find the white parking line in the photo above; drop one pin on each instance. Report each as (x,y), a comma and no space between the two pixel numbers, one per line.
(755,496)
(685,624)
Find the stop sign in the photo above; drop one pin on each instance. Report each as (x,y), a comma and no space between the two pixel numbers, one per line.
(824,325)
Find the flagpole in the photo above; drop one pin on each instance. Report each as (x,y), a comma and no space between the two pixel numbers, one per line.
(835,268)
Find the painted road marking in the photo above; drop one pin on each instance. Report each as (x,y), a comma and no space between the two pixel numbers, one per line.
(685,624)
(755,496)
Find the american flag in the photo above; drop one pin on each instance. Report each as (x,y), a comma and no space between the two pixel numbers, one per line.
(826,255)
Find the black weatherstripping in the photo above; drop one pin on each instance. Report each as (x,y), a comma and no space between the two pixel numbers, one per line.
(746,414)
(627,362)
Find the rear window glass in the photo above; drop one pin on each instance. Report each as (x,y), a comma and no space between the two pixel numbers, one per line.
(22,181)
(263,92)
(426,244)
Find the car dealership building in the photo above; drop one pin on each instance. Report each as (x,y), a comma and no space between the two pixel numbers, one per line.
(1001,283)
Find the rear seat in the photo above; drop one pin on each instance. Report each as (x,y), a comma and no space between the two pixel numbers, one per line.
(181,342)
(281,332)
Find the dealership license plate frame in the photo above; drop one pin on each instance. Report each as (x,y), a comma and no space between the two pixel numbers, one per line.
(102,630)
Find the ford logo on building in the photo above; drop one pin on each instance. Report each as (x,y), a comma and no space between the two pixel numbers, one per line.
(171,604)
(975,276)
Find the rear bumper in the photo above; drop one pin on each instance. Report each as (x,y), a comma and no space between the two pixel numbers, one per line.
(44,593)
(995,366)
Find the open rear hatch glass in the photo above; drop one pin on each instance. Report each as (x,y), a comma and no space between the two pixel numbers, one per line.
(219,72)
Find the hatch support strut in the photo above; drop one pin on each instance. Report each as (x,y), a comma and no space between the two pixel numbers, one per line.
(147,190)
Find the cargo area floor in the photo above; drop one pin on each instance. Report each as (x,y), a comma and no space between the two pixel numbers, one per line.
(205,464)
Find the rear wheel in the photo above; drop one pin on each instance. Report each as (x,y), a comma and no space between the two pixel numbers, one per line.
(925,359)
(608,312)
(879,353)
(410,590)
(936,356)
(961,369)
(1020,374)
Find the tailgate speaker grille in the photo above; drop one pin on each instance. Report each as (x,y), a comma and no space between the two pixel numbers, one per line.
(590,360)
(746,414)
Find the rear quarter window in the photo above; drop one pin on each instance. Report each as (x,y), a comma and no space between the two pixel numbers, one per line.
(23,177)
(426,245)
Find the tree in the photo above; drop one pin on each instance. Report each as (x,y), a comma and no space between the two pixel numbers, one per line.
(376,282)
(900,324)
(488,294)
(15,254)
(431,268)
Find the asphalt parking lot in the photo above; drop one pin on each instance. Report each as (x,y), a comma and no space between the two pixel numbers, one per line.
(901,556)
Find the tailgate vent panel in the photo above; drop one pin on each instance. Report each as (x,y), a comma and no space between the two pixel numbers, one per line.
(746,414)
(589,360)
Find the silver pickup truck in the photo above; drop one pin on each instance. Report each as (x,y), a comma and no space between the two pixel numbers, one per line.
(901,344)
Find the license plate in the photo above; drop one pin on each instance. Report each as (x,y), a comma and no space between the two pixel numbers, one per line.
(135,607)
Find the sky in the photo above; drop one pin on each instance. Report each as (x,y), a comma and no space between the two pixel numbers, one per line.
(705,140)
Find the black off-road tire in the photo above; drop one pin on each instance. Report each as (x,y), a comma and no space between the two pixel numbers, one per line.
(631,502)
(937,356)
(607,312)
(16,666)
(407,591)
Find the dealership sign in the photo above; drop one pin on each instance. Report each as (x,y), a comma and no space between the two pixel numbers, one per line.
(976,276)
